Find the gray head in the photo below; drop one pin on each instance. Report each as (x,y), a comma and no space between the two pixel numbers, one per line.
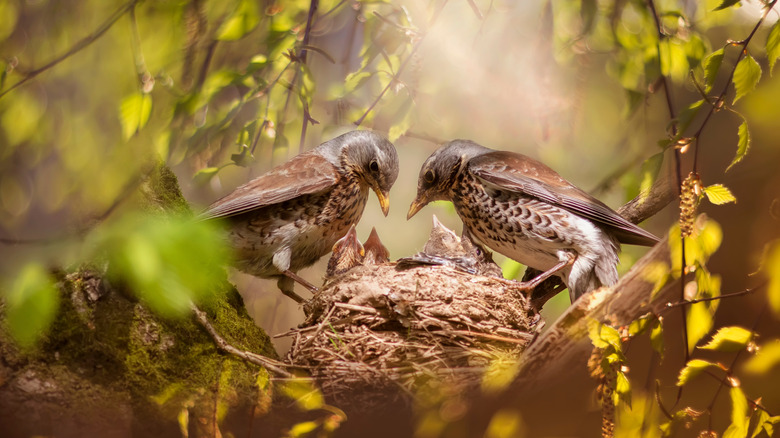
(438,173)
(368,155)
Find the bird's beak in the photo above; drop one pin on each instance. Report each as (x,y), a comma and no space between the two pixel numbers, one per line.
(384,200)
(417,204)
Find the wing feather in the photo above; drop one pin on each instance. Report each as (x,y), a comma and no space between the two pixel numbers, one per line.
(521,174)
(304,174)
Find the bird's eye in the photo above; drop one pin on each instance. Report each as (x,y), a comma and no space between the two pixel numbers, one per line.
(429,176)
(373,166)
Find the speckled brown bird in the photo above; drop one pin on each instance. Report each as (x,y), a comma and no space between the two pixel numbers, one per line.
(521,208)
(288,218)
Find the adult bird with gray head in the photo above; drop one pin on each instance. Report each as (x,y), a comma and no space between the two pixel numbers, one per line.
(289,217)
(524,210)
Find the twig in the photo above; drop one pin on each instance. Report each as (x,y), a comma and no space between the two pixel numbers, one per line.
(401,68)
(268,363)
(678,169)
(86,41)
(719,297)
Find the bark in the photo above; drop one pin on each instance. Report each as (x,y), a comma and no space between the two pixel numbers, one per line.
(110,367)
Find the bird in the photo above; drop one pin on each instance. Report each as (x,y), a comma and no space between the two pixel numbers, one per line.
(526,211)
(289,217)
(376,253)
(347,253)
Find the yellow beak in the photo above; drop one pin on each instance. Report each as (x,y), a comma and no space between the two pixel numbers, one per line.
(417,204)
(384,200)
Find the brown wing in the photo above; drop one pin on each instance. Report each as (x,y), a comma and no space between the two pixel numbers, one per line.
(304,174)
(522,174)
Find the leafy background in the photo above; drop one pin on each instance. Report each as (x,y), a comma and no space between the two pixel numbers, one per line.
(95,92)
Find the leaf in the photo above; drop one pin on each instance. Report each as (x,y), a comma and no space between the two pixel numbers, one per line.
(32,303)
(772,269)
(746,77)
(726,4)
(742,146)
(353,81)
(719,194)
(657,337)
(729,339)
(167,263)
(692,369)
(603,336)
(134,112)
(688,114)
(739,419)
(773,45)
(241,22)
(699,323)
(766,358)
(711,66)
(303,429)
(203,176)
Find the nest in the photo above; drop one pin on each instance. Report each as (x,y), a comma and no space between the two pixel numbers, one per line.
(392,328)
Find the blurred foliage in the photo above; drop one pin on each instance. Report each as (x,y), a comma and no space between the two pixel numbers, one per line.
(92,93)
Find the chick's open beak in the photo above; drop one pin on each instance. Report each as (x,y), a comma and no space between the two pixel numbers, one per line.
(417,204)
(384,200)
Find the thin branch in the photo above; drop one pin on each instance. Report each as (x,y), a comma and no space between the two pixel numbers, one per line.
(719,297)
(401,68)
(270,364)
(678,169)
(716,104)
(302,56)
(86,41)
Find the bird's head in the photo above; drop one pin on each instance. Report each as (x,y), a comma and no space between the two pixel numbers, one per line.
(373,159)
(438,173)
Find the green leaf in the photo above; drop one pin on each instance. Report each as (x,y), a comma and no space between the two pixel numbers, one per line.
(773,45)
(304,393)
(303,429)
(658,273)
(766,358)
(622,389)
(168,263)
(719,194)
(726,4)
(746,77)
(355,80)
(742,146)
(772,270)
(32,304)
(711,66)
(729,339)
(134,112)
(241,22)
(688,114)
(603,336)
(203,176)
(699,323)
(692,369)
(657,337)
(739,418)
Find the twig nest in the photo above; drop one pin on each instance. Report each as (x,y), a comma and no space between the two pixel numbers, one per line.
(392,327)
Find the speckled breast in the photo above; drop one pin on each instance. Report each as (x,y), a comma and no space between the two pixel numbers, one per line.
(519,227)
